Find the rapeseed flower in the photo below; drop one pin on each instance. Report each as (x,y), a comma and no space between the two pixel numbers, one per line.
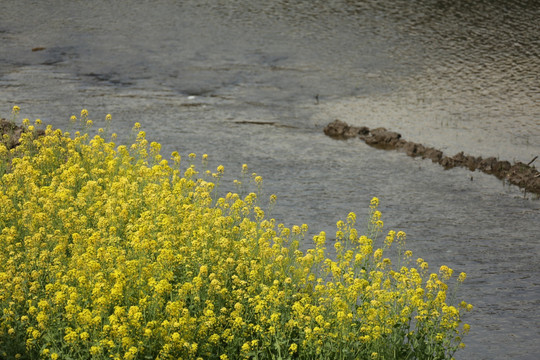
(109,252)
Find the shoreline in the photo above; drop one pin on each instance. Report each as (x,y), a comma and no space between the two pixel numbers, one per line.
(520,174)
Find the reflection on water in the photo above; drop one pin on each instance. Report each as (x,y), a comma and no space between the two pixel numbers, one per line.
(457,75)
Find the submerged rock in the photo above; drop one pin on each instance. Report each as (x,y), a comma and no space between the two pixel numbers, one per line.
(341,130)
(433,154)
(381,138)
(523,175)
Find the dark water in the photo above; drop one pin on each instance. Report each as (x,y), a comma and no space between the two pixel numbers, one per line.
(457,75)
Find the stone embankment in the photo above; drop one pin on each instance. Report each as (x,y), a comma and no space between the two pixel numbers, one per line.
(523,175)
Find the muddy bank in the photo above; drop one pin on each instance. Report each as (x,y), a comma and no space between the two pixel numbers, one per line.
(526,176)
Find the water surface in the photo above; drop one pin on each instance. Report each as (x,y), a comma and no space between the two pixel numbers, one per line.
(459,76)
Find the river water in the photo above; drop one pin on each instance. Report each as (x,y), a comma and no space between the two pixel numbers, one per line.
(455,75)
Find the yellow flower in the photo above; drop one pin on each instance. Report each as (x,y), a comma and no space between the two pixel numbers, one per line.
(293,348)
(95,350)
(177,264)
(131,353)
(16,110)
(446,272)
(84,113)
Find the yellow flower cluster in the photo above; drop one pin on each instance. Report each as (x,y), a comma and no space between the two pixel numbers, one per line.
(108,252)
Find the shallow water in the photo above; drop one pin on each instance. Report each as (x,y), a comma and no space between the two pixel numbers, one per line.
(458,76)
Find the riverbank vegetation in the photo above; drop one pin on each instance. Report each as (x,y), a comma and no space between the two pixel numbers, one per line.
(114,252)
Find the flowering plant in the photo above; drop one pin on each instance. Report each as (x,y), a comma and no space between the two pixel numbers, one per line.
(114,252)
